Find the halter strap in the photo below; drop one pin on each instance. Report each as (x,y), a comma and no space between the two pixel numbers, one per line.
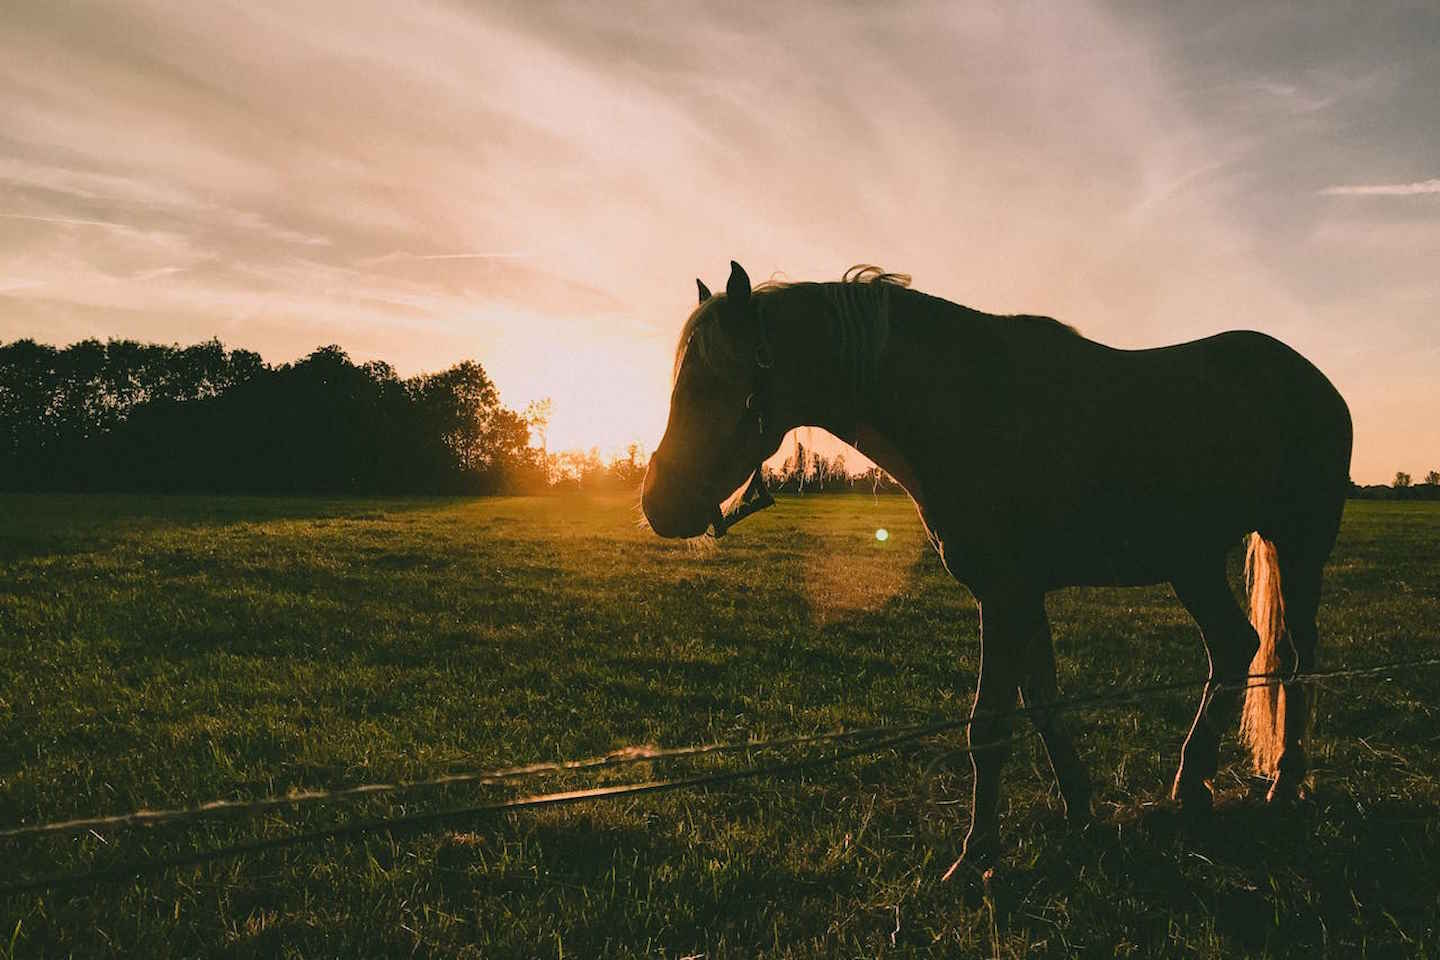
(756,496)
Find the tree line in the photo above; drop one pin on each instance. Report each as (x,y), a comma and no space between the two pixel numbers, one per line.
(1402,487)
(806,470)
(127,416)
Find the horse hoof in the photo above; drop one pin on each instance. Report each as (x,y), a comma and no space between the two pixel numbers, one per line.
(971,880)
(975,857)
(1285,791)
(1077,813)
(1194,796)
(979,852)
(958,868)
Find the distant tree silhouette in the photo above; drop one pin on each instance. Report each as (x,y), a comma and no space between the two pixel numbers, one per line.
(1402,479)
(537,415)
(1432,478)
(122,415)
(876,480)
(797,468)
(819,475)
(128,416)
(60,408)
(580,470)
(630,469)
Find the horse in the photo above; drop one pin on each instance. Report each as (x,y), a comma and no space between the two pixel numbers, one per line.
(1039,459)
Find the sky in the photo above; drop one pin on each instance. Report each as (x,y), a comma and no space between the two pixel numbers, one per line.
(536,185)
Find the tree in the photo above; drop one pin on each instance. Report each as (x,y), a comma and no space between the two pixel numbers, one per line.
(28,415)
(1402,479)
(1432,478)
(482,442)
(537,416)
(581,469)
(129,416)
(799,465)
(629,469)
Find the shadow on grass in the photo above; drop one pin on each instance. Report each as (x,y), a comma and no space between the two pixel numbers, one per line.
(46,525)
(1326,876)
(1304,882)
(1292,882)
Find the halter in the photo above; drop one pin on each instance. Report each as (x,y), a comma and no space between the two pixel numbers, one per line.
(757,408)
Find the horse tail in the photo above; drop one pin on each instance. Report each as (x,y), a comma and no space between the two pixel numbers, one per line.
(1262,723)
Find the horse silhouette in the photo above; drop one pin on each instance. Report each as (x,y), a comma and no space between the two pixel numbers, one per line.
(1039,459)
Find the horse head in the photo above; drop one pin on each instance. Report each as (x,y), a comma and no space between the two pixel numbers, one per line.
(721,425)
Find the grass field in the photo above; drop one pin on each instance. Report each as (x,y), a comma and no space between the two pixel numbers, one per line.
(165,652)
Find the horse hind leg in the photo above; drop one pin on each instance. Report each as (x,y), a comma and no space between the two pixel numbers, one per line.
(1230,643)
(1300,586)
(1038,691)
(1287,559)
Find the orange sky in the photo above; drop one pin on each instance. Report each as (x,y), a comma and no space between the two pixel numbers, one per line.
(536,186)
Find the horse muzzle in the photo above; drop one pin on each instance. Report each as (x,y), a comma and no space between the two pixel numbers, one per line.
(673,515)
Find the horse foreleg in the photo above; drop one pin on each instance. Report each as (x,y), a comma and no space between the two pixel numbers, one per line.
(1005,628)
(1037,691)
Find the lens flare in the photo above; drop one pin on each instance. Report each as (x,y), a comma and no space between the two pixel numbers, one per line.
(882,534)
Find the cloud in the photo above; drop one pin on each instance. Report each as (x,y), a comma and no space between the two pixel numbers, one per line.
(68,221)
(406,255)
(15,286)
(1417,188)
(157,273)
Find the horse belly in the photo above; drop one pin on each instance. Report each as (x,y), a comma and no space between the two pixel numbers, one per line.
(1143,544)
(1115,561)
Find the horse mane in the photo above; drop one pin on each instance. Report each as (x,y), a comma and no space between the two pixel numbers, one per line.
(1060,325)
(866,275)
(869,273)
(859,315)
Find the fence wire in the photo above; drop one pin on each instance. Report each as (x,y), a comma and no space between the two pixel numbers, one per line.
(871,740)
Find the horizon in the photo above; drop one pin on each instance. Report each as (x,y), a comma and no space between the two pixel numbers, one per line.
(565,461)
(537,189)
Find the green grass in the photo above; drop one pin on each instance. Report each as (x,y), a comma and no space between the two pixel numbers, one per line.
(164,652)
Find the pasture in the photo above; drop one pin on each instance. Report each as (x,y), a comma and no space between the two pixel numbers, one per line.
(160,652)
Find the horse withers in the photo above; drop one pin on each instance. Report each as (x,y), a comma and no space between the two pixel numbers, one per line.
(1039,459)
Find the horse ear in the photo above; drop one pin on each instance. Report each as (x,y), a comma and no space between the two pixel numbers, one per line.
(737,289)
(704,290)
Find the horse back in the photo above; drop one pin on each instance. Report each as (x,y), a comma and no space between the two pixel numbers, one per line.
(1110,466)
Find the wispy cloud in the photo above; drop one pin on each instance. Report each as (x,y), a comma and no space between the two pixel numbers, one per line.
(1297,98)
(1384,189)
(69,221)
(158,272)
(14,286)
(406,255)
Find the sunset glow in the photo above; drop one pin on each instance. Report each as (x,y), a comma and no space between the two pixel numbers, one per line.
(536,186)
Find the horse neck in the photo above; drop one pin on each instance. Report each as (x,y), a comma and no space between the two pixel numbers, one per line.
(885,365)
(835,335)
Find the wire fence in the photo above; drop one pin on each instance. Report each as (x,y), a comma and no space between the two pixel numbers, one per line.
(868,741)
